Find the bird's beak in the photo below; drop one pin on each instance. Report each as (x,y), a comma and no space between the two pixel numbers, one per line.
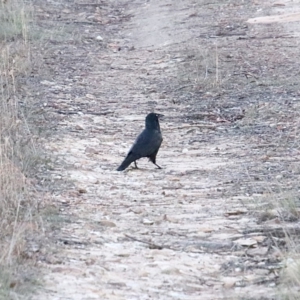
(160,116)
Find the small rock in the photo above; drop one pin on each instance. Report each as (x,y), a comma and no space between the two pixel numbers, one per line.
(90,150)
(90,96)
(123,254)
(171,271)
(46,82)
(107,223)
(246,242)
(261,251)
(171,220)
(167,193)
(147,222)
(82,191)
(207,229)
(229,282)
(175,179)
(53,260)
(34,247)
(259,238)
(78,127)
(99,38)
(90,261)
(12,284)
(136,210)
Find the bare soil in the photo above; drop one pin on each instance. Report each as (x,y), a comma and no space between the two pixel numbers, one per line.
(208,225)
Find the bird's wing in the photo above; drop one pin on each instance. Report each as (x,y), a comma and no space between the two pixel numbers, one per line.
(146,143)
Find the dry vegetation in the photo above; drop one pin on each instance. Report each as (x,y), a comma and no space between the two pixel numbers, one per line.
(17,149)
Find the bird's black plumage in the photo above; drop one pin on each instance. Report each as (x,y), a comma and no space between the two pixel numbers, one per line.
(146,144)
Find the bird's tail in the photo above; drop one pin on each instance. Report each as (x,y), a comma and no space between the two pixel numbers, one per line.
(126,162)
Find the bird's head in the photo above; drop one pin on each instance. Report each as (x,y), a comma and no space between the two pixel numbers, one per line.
(152,121)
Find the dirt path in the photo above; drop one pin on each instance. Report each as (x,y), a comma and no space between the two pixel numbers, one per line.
(108,66)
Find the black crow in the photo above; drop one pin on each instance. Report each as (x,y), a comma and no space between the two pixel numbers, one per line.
(146,144)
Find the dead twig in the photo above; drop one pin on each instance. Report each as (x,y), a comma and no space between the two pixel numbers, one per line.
(67,112)
(183,87)
(212,127)
(151,245)
(277,232)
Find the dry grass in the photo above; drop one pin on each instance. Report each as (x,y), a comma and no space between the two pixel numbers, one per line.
(14,17)
(201,68)
(279,204)
(16,147)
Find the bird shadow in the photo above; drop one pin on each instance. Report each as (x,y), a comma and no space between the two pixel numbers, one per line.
(143,169)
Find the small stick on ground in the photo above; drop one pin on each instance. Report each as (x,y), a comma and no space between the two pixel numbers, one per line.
(151,245)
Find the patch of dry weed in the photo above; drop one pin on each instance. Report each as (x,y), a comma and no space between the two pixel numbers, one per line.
(17,149)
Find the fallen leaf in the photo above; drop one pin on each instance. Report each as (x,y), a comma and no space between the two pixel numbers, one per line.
(107,223)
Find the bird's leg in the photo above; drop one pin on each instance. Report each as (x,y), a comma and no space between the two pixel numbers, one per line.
(135,165)
(153,160)
(158,166)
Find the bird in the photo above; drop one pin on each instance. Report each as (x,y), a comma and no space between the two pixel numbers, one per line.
(146,144)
